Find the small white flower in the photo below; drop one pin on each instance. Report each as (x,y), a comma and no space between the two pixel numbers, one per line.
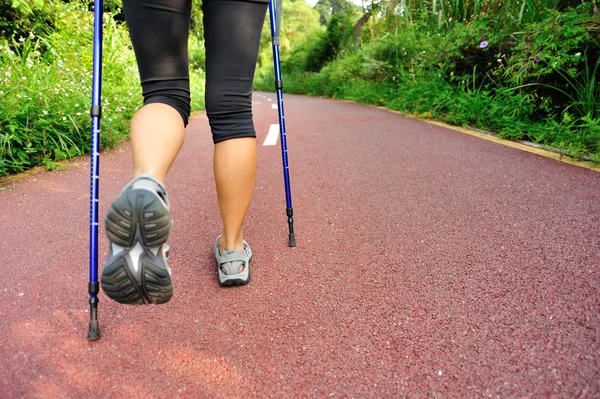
(578,54)
(64,118)
(45,112)
(23,78)
(76,105)
(79,114)
(499,60)
(21,39)
(31,35)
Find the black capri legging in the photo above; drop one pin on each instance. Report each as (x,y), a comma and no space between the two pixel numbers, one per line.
(159,32)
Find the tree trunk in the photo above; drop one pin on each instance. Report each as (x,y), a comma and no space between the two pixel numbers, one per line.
(357,27)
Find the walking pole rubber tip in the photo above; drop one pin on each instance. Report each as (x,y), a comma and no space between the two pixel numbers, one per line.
(93,331)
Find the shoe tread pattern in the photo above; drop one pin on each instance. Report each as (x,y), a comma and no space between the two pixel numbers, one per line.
(138,216)
(138,207)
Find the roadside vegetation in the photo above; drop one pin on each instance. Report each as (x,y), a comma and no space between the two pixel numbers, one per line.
(525,70)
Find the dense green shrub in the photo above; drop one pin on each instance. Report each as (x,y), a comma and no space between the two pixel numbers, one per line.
(27,17)
(44,115)
(336,37)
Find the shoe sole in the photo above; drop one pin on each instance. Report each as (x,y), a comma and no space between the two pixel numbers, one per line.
(139,222)
(234,282)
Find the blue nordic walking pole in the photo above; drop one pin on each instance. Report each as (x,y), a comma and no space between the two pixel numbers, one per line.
(275,19)
(95,112)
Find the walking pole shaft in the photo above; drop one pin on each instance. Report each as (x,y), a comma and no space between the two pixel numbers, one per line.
(95,112)
(275,19)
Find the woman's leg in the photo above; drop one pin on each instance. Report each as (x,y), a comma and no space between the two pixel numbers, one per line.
(235,173)
(159,32)
(156,136)
(232,36)
(138,222)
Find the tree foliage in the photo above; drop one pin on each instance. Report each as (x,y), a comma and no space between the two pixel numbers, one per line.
(328,8)
(299,21)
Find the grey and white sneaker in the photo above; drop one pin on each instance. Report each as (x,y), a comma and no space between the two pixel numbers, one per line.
(233,266)
(138,224)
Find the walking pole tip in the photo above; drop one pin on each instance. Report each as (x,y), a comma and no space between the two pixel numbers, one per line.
(93,331)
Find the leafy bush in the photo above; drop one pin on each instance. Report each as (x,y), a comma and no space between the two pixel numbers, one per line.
(26,17)
(45,113)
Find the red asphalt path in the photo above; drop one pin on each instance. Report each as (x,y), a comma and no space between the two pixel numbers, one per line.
(430,263)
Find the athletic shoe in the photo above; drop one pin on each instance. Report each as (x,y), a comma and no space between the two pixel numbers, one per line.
(229,264)
(138,224)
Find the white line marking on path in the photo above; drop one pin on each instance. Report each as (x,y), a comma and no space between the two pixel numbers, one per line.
(269,99)
(274,106)
(271,138)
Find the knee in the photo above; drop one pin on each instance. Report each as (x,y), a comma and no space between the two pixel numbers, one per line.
(229,112)
(177,97)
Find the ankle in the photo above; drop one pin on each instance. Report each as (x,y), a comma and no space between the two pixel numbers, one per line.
(149,171)
(231,243)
